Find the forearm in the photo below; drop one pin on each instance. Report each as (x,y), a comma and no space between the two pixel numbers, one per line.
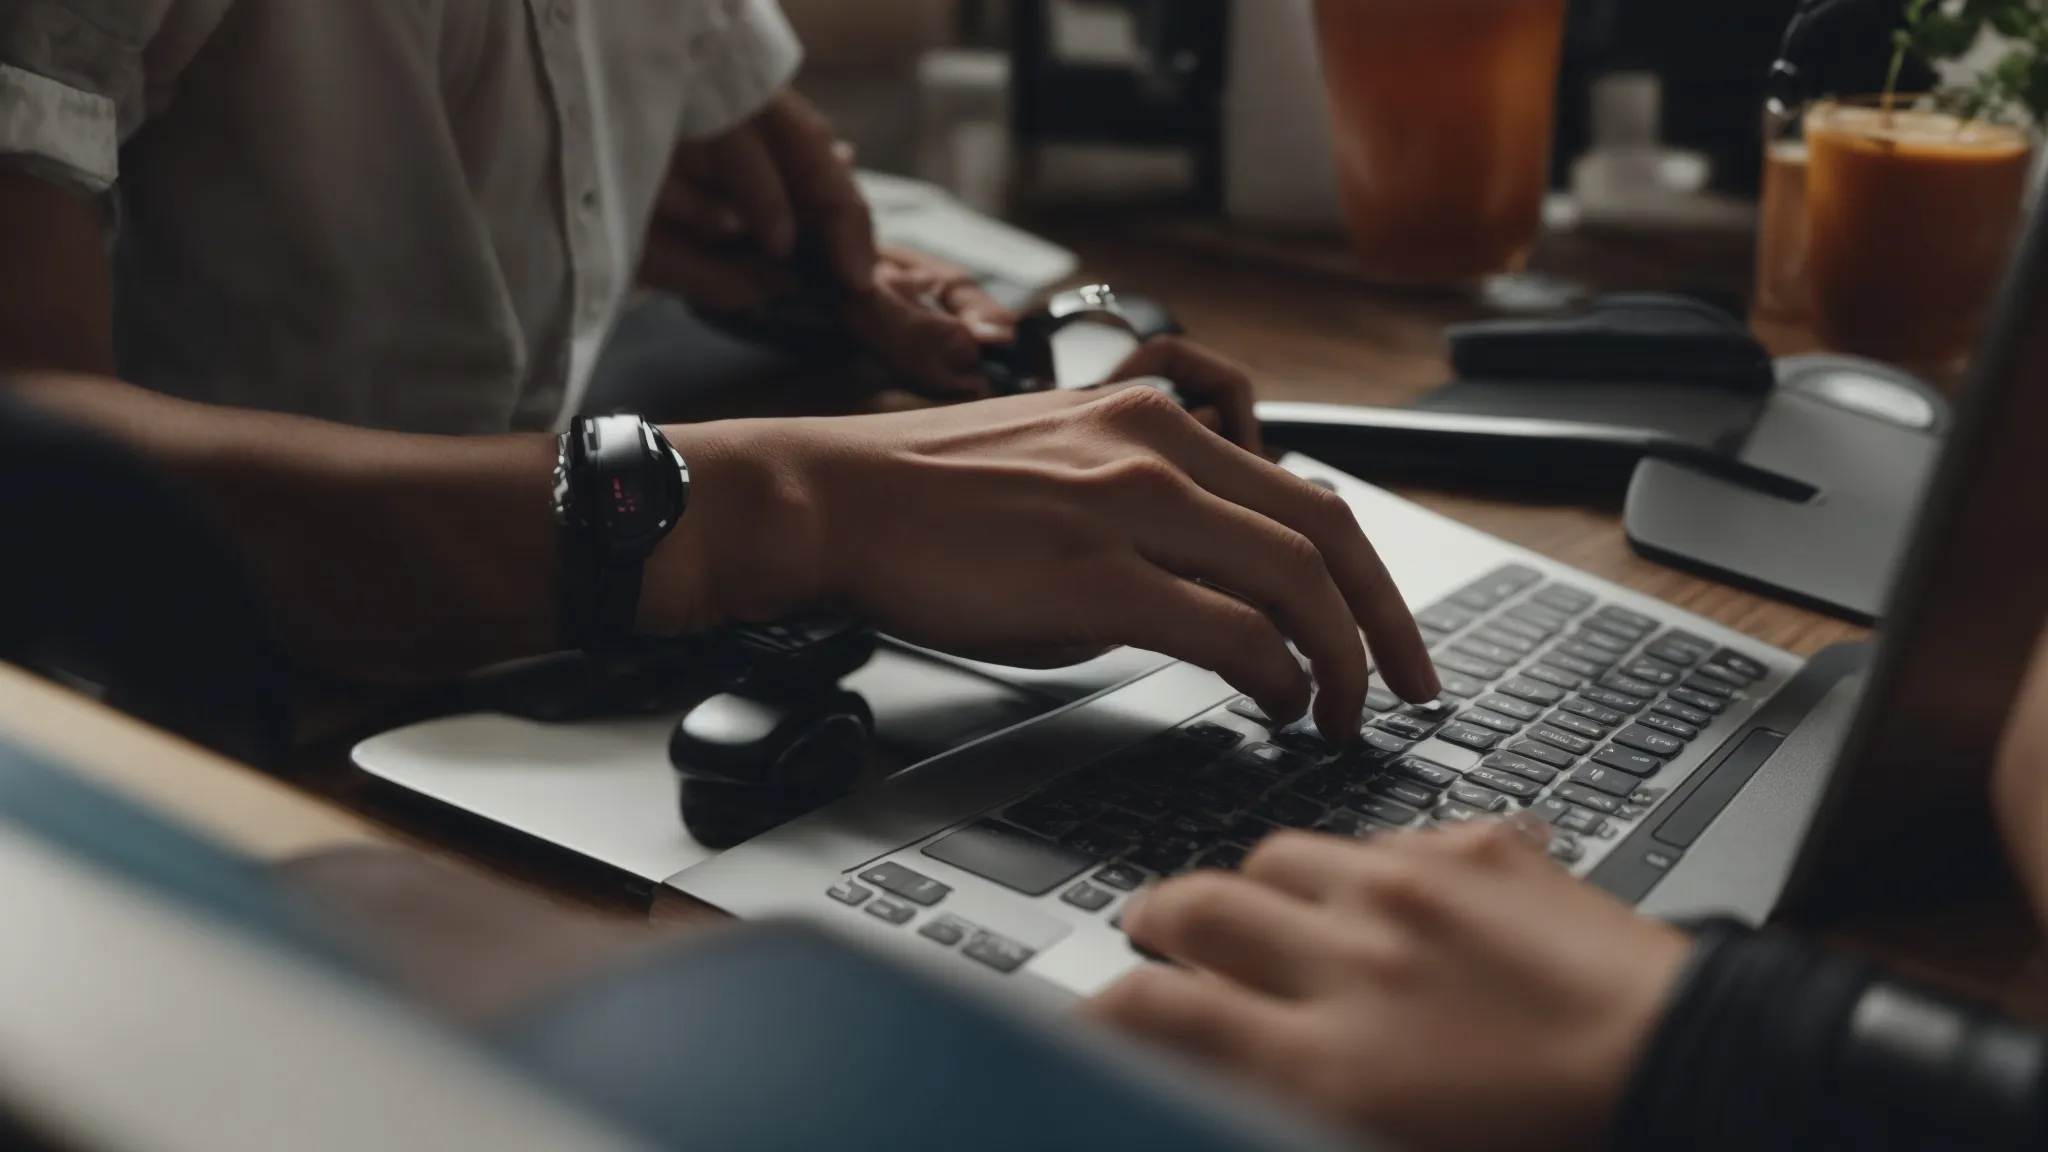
(1768,1044)
(380,556)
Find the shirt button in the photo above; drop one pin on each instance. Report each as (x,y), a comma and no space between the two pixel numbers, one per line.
(563,12)
(588,199)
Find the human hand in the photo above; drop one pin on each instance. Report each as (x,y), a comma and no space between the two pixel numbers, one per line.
(1035,527)
(726,221)
(925,324)
(1448,990)
(2019,782)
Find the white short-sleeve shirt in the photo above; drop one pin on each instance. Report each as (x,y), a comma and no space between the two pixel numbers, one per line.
(407,214)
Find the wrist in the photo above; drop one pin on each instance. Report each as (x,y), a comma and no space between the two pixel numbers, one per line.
(747,547)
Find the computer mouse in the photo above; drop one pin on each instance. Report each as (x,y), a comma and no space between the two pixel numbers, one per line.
(746,764)
(1642,338)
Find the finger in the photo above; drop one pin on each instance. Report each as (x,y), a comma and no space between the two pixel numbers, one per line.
(1257,936)
(1204,376)
(1163,613)
(1275,568)
(823,188)
(748,174)
(990,322)
(734,281)
(1242,478)
(1198,1017)
(1303,865)
(1207,418)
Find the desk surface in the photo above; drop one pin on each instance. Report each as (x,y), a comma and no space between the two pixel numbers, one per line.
(1306,333)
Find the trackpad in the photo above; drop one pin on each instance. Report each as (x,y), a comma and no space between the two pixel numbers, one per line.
(1009,857)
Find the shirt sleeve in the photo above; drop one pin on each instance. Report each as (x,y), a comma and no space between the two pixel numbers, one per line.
(74,83)
(743,54)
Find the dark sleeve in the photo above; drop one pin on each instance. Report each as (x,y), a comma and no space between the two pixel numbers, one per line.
(1769,1045)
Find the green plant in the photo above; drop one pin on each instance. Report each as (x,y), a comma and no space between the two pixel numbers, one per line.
(1942,30)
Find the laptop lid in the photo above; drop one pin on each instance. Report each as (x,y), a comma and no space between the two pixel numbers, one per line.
(1909,791)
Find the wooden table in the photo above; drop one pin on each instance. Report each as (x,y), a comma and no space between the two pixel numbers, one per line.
(1310,332)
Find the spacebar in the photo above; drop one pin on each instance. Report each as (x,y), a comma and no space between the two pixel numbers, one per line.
(1009,857)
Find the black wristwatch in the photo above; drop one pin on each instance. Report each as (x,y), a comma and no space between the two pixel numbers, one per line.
(619,487)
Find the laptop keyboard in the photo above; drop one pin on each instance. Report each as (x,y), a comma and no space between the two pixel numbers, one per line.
(1571,708)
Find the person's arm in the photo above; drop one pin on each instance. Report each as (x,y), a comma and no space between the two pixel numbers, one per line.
(1453,990)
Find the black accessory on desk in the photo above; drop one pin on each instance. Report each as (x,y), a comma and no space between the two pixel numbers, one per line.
(1026,363)
(619,488)
(779,737)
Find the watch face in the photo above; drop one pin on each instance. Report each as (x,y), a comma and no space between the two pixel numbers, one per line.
(627,507)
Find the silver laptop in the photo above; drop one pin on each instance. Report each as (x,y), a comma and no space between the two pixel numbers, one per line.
(1683,766)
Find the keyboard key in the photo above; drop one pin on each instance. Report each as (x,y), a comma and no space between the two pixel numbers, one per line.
(1435,711)
(1237,782)
(1750,670)
(1291,811)
(1524,689)
(1325,786)
(1380,700)
(1494,588)
(891,911)
(1598,713)
(1452,812)
(1492,720)
(897,880)
(1649,740)
(1600,779)
(1470,736)
(1424,771)
(1461,686)
(1304,737)
(1228,857)
(1353,825)
(1662,723)
(1121,876)
(1699,700)
(1576,745)
(1406,791)
(1541,616)
(1212,736)
(1374,746)
(1249,708)
(1521,766)
(1471,665)
(848,893)
(1543,753)
(1010,858)
(1564,598)
(1501,781)
(1554,676)
(1166,856)
(1566,849)
(946,930)
(1550,809)
(1187,825)
(1444,618)
(1628,760)
(1501,638)
(1655,671)
(1475,598)
(1629,685)
(1473,796)
(1707,685)
(1587,797)
(1522,628)
(1592,654)
(1570,663)
(1693,716)
(1135,801)
(1387,811)
(1001,954)
(1269,758)
(1577,725)
(1680,648)
(1509,706)
(1626,618)
(1612,645)
(1405,726)
(1249,830)
(1095,843)
(1087,897)
(1618,700)
(1581,821)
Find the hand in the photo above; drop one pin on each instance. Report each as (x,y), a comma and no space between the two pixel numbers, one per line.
(726,222)
(925,324)
(2019,782)
(1447,990)
(1035,527)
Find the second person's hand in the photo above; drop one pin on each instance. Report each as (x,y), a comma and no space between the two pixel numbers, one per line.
(1035,528)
